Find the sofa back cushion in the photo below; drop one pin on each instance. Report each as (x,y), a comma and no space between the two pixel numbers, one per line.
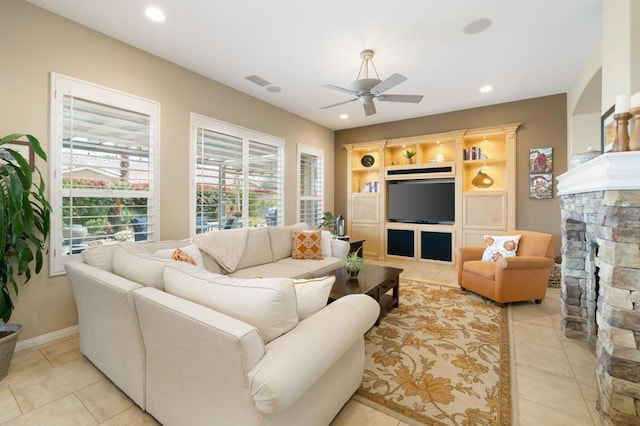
(280,238)
(133,262)
(100,256)
(257,250)
(268,304)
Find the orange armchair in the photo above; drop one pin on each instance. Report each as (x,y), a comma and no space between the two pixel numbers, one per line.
(510,279)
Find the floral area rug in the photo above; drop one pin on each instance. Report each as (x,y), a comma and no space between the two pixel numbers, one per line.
(440,358)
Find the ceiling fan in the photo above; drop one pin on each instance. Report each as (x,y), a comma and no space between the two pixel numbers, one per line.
(366,89)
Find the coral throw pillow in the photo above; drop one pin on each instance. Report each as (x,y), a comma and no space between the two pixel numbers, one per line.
(306,244)
(182,257)
(497,247)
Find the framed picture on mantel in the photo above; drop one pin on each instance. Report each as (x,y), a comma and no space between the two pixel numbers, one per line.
(607,130)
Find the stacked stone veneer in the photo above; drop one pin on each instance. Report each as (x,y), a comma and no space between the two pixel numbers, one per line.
(601,292)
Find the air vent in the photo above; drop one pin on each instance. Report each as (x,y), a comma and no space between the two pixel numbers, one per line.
(257,80)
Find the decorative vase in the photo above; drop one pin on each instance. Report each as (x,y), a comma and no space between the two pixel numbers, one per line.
(621,144)
(634,140)
(8,337)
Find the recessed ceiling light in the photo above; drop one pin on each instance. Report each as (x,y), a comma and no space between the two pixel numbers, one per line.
(477,26)
(155,14)
(486,89)
(344,116)
(274,89)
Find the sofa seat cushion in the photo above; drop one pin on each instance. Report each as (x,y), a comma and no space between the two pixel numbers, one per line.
(271,270)
(481,268)
(268,304)
(317,267)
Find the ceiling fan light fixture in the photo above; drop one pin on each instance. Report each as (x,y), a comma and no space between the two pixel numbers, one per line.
(366,89)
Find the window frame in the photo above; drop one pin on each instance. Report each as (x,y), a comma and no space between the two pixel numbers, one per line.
(61,85)
(319,153)
(247,135)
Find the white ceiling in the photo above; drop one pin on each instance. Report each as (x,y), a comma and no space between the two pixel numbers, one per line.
(533,47)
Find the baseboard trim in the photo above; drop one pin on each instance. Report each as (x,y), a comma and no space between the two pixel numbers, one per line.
(46,338)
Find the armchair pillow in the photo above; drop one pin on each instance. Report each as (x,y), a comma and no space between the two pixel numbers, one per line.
(497,247)
(312,294)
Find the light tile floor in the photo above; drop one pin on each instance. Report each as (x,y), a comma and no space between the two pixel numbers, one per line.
(54,384)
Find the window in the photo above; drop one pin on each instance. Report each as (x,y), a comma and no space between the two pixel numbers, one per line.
(238,177)
(103,174)
(310,184)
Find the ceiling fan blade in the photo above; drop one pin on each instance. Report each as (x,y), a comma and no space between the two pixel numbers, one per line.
(387,84)
(339,89)
(339,103)
(414,99)
(369,108)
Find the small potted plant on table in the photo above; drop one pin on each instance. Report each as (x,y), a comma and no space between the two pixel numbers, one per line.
(354,264)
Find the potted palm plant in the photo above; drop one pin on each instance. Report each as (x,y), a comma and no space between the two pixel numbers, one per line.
(409,154)
(328,221)
(24,227)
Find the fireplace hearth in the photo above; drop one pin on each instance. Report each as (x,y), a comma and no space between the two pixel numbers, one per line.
(600,292)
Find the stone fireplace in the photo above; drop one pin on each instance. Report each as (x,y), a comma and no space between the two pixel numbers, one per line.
(600,210)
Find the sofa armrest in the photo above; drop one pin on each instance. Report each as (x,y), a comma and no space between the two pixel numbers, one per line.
(299,358)
(339,248)
(109,332)
(464,254)
(525,262)
(197,361)
(469,253)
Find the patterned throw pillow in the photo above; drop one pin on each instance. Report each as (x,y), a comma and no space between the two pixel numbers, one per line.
(182,257)
(306,244)
(497,247)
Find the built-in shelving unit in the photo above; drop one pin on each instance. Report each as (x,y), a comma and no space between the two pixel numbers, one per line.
(480,161)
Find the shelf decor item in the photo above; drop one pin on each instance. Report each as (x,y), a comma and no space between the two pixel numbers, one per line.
(367,160)
(621,116)
(634,139)
(482,180)
(409,154)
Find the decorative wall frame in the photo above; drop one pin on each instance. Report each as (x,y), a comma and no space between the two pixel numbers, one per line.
(607,130)
(541,186)
(23,148)
(540,160)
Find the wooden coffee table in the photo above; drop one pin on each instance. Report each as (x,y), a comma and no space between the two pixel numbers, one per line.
(374,281)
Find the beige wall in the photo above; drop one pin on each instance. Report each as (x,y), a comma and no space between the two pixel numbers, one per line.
(544,124)
(34,42)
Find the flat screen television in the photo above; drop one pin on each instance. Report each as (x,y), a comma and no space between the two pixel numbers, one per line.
(421,201)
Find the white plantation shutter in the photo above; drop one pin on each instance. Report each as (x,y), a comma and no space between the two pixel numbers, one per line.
(103,163)
(310,184)
(238,176)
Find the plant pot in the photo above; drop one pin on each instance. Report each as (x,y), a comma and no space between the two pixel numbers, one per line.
(7,346)
(353,272)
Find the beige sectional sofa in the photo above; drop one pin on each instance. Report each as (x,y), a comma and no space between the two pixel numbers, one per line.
(193,345)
